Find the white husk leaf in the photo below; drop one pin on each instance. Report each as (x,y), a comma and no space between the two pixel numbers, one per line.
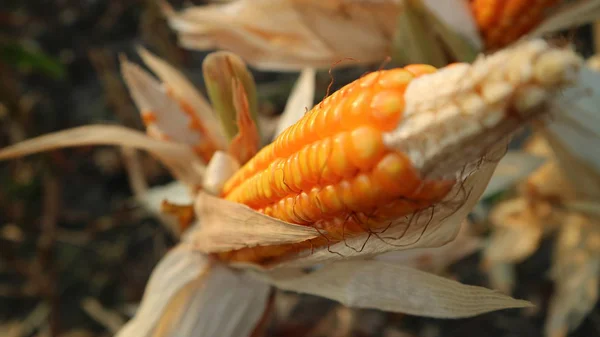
(188,296)
(228,226)
(179,158)
(457,15)
(572,14)
(151,97)
(512,168)
(300,100)
(390,287)
(576,273)
(289,35)
(186,91)
(574,135)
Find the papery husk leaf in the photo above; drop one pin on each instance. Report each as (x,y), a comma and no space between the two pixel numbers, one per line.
(437,259)
(176,269)
(289,35)
(414,41)
(189,296)
(432,227)
(163,113)
(576,272)
(228,226)
(390,287)
(246,142)
(456,15)
(184,90)
(223,71)
(455,26)
(571,14)
(179,158)
(574,135)
(300,100)
(512,168)
(220,168)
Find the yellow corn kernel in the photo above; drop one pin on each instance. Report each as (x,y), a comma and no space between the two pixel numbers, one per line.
(332,171)
(502,22)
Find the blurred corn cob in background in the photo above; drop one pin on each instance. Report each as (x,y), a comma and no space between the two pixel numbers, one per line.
(436,32)
(502,22)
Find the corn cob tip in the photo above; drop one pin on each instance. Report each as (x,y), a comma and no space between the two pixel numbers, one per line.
(474,106)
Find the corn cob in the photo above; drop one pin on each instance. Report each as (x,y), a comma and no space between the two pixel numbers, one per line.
(355,163)
(502,22)
(331,170)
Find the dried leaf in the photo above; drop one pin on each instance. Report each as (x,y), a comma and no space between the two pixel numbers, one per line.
(301,98)
(389,287)
(187,296)
(415,40)
(246,142)
(180,158)
(576,272)
(185,91)
(177,269)
(165,117)
(512,168)
(456,17)
(228,226)
(289,35)
(571,14)
(574,135)
(223,71)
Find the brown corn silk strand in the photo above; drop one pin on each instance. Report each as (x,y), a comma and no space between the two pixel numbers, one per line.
(502,22)
(332,171)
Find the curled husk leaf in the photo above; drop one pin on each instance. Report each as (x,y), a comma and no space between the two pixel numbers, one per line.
(223,71)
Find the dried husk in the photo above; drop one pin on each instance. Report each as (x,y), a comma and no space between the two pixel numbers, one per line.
(576,273)
(573,135)
(152,97)
(222,71)
(289,35)
(188,295)
(435,32)
(570,14)
(184,90)
(390,287)
(512,168)
(179,158)
(228,226)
